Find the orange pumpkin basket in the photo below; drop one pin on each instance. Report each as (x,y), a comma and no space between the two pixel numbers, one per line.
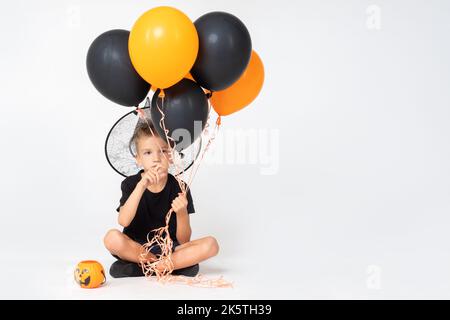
(89,274)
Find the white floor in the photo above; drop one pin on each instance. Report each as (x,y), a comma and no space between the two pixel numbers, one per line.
(49,275)
(52,278)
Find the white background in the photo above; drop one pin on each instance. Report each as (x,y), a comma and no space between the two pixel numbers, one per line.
(358,208)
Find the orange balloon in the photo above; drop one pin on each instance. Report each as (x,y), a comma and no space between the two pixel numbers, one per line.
(241,93)
(163,46)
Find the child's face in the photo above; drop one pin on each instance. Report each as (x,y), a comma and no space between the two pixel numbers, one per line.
(149,154)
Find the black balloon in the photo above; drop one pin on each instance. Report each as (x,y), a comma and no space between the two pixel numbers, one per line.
(110,70)
(185,106)
(224,52)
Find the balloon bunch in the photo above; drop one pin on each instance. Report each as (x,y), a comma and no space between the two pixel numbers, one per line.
(189,66)
(186,64)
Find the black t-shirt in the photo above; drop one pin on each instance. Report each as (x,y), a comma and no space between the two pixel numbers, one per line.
(152,209)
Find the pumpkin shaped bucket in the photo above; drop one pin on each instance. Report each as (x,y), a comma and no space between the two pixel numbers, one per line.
(89,274)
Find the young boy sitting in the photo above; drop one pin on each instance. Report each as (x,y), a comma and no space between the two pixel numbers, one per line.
(146,198)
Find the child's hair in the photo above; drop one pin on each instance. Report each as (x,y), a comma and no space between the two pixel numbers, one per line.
(142,130)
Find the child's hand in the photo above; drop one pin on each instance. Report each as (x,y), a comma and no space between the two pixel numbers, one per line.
(179,204)
(149,177)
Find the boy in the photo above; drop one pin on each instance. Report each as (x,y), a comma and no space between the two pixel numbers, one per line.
(146,199)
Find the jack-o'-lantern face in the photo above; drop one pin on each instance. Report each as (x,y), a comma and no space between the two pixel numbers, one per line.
(89,274)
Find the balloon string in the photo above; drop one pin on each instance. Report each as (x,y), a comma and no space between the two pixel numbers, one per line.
(211,138)
(172,149)
(161,266)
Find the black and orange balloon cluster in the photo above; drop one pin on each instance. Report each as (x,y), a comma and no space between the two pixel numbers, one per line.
(184,62)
